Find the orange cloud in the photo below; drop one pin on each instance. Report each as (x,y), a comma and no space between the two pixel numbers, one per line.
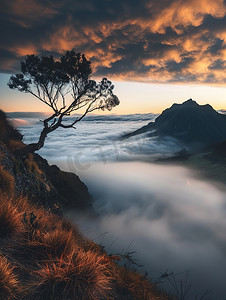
(25,12)
(63,39)
(25,50)
(156,41)
(184,13)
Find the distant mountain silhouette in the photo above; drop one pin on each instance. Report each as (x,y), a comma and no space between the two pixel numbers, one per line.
(195,125)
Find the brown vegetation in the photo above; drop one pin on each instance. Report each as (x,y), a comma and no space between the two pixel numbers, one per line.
(7,182)
(15,144)
(53,260)
(9,284)
(81,275)
(138,285)
(32,166)
(10,220)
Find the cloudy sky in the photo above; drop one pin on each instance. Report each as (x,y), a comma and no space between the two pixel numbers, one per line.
(156,52)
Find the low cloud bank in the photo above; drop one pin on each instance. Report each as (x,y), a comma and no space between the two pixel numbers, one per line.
(173,220)
(97,139)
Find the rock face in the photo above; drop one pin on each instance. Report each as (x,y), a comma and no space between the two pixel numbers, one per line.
(197,126)
(70,191)
(33,177)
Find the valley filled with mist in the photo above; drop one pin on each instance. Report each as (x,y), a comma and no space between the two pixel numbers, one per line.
(173,218)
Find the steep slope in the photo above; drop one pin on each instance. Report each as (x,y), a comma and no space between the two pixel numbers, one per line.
(195,125)
(32,176)
(44,256)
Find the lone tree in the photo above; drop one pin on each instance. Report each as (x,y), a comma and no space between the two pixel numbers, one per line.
(65,86)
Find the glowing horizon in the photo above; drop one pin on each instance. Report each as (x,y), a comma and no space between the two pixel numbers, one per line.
(135,97)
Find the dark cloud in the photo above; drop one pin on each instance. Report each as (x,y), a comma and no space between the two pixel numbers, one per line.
(218,65)
(175,67)
(217,46)
(146,40)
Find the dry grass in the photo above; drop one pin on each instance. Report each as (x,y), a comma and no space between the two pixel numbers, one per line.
(90,245)
(81,275)
(43,234)
(9,284)
(15,144)
(7,182)
(10,220)
(60,242)
(45,219)
(53,245)
(32,166)
(58,262)
(80,239)
(137,284)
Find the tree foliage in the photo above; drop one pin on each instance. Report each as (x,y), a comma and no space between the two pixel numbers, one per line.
(65,86)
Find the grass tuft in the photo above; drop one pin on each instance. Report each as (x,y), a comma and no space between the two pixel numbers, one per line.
(7,182)
(138,285)
(9,285)
(32,166)
(10,220)
(55,261)
(81,275)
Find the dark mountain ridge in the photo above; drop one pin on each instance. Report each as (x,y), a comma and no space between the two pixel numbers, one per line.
(197,126)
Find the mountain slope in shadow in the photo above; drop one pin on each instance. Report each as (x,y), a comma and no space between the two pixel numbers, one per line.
(197,126)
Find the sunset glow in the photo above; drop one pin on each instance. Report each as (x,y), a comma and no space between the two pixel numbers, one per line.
(176,46)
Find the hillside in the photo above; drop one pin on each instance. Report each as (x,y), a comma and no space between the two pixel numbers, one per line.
(197,126)
(42,255)
(33,177)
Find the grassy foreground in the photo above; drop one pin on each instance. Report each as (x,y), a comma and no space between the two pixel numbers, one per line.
(44,256)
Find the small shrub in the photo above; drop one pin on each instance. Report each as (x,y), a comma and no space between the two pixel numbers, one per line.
(9,285)
(81,275)
(7,182)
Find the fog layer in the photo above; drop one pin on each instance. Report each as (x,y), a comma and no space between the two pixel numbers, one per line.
(174,220)
(170,218)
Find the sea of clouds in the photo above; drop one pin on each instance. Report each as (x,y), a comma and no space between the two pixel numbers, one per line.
(97,138)
(174,220)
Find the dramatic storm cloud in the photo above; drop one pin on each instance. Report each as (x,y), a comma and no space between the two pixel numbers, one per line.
(148,40)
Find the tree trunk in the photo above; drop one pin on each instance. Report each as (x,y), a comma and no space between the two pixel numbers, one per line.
(31,148)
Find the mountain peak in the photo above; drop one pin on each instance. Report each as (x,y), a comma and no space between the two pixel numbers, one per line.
(197,126)
(190,102)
